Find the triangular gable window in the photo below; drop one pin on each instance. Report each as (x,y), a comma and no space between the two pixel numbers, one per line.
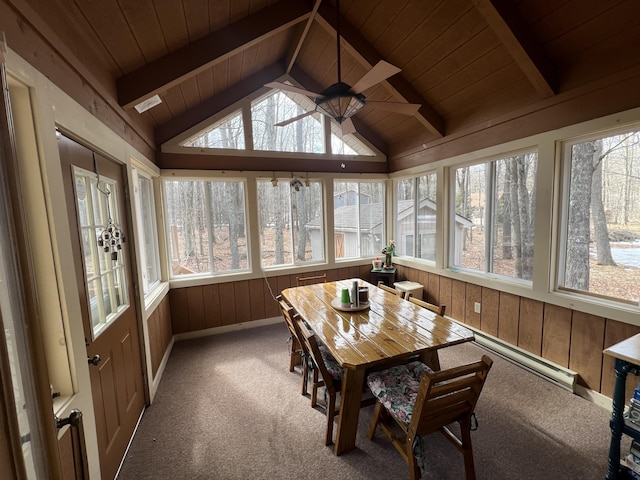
(302,136)
(305,135)
(227,133)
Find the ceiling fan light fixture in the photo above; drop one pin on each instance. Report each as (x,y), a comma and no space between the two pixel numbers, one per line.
(341,106)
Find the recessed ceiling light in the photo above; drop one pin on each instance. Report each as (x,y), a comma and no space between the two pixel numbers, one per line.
(148,103)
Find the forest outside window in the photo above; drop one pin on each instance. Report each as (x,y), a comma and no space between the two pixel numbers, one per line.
(358,218)
(415,235)
(494,219)
(146,225)
(291,221)
(206,226)
(600,251)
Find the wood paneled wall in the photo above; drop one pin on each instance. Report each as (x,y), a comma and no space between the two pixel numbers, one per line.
(566,337)
(160,333)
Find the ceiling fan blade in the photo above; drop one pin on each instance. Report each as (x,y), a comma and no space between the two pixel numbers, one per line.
(348,127)
(380,71)
(290,88)
(396,107)
(295,119)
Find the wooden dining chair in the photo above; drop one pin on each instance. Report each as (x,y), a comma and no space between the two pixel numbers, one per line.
(421,401)
(438,310)
(300,281)
(326,372)
(295,348)
(386,288)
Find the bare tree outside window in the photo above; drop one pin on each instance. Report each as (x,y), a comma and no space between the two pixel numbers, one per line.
(495,216)
(206,225)
(602,236)
(291,222)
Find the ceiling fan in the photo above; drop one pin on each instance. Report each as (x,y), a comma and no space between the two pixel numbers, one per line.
(341,101)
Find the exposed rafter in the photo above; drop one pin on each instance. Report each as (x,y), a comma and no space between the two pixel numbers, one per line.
(368,56)
(168,71)
(207,108)
(518,40)
(293,55)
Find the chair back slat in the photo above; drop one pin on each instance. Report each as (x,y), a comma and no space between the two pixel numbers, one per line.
(448,396)
(300,281)
(438,310)
(386,288)
(310,345)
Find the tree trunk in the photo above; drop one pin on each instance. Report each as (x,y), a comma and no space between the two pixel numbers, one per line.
(578,235)
(507,250)
(601,232)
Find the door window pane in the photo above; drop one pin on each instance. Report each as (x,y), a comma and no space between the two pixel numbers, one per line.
(100,232)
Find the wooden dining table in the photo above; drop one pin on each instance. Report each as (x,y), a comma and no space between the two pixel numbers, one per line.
(388,331)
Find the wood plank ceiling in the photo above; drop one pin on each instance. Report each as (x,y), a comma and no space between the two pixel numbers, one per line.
(467,62)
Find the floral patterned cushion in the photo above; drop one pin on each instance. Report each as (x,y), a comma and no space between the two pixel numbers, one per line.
(333,367)
(397,388)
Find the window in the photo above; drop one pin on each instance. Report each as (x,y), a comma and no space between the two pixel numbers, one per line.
(493,225)
(147,231)
(601,217)
(291,221)
(206,226)
(105,273)
(358,218)
(304,135)
(226,133)
(409,225)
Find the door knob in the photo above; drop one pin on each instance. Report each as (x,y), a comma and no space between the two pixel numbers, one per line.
(95,360)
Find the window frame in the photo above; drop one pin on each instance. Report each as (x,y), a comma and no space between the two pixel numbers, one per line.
(383,239)
(142,216)
(167,227)
(488,216)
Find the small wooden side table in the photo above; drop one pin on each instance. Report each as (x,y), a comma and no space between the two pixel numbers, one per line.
(627,360)
(384,275)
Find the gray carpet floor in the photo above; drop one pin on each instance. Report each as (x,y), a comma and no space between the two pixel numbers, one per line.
(228,408)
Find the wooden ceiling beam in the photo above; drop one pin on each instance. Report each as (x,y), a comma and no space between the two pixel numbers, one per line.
(219,102)
(293,55)
(354,42)
(186,62)
(516,37)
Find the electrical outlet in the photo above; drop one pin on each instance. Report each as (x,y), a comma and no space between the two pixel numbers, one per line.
(476,307)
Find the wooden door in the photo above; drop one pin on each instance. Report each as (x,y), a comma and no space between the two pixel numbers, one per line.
(95,192)
(339,245)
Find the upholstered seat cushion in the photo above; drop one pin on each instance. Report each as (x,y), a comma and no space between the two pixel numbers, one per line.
(397,388)
(333,367)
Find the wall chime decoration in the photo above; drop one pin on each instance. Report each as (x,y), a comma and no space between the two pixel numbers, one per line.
(111,238)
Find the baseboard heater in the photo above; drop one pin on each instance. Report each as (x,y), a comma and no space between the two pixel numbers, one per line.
(553,372)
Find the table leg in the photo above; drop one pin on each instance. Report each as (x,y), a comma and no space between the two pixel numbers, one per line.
(352,385)
(431,359)
(617,419)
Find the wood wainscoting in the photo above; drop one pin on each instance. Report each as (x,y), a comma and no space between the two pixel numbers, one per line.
(221,304)
(569,338)
(160,333)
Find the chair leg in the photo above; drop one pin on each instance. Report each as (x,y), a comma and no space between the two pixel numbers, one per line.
(375,419)
(467,449)
(305,375)
(294,353)
(331,415)
(314,388)
(412,462)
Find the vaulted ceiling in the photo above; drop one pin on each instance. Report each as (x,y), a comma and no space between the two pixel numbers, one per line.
(470,64)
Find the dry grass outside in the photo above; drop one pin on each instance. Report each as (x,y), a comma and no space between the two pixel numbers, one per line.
(617,282)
